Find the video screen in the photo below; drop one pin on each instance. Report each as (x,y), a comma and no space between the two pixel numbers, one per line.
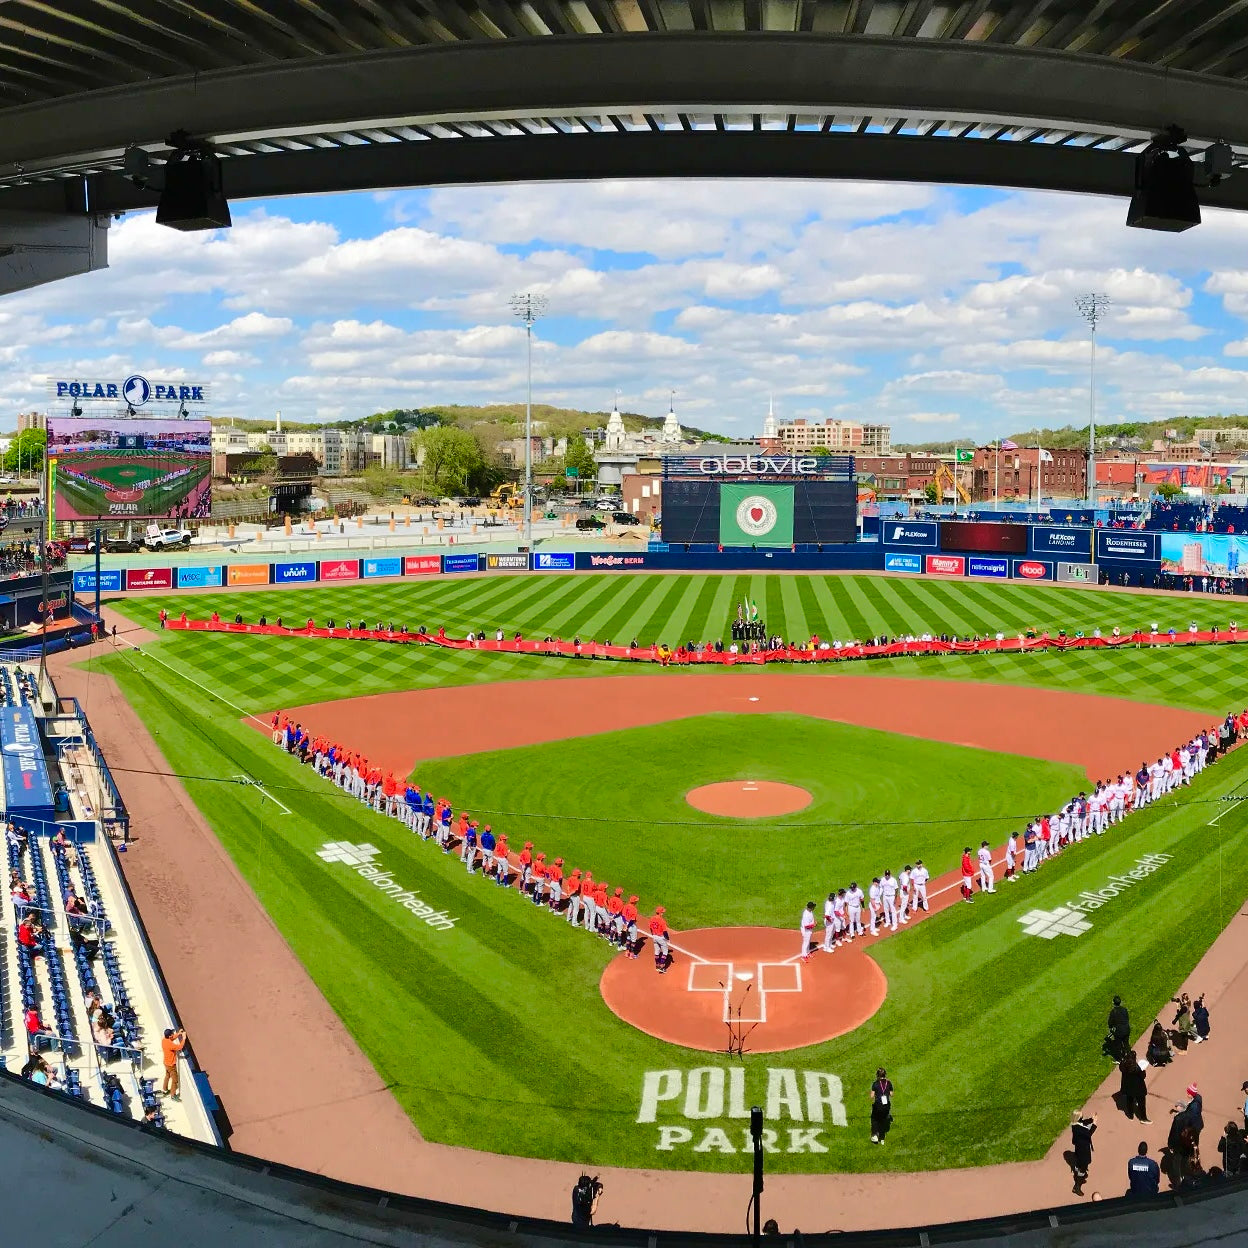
(983,538)
(129,469)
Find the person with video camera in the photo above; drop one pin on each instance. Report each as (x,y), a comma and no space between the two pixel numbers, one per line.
(585,1197)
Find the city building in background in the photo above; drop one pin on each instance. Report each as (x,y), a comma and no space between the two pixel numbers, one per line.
(1028,472)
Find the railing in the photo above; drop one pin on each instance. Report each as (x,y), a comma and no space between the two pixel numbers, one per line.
(112,816)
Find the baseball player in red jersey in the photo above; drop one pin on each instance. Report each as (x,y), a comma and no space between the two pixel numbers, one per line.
(658,937)
(600,907)
(587,899)
(630,927)
(968,874)
(502,861)
(554,883)
(572,889)
(539,878)
(526,865)
(615,912)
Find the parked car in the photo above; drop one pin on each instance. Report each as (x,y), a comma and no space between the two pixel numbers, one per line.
(590,521)
(625,517)
(607,504)
(116,545)
(157,538)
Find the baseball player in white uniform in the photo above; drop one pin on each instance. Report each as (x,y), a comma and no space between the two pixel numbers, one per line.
(918,881)
(829,922)
(888,899)
(853,903)
(807,922)
(903,894)
(985,869)
(1011,858)
(873,905)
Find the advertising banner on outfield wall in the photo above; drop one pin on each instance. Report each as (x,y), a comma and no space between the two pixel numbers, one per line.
(340,569)
(1048,540)
(508,563)
(903,563)
(149,578)
(383,567)
(1126,544)
(553,561)
(459,563)
(199,578)
(604,563)
(978,565)
(110,581)
(422,565)
(1084,573)
(946,565)
(1204,554)
(247,574)
(297,572)
(1033,569)
(909,532)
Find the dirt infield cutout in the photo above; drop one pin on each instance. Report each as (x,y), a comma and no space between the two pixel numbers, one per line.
(748,799)
(746,983)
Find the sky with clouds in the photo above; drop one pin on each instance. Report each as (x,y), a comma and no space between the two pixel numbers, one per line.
(948,313)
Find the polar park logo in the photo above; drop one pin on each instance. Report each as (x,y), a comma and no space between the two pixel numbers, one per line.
(756,515)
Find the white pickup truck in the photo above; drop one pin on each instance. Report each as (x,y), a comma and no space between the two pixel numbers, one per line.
(157,538)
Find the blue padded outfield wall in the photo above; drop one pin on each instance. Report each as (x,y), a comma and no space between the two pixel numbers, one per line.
(952,547)
(27,788)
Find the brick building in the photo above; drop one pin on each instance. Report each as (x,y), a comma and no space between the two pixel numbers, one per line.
(898,476)
(1028,472)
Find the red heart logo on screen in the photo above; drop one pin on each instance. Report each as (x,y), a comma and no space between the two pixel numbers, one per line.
(756,514)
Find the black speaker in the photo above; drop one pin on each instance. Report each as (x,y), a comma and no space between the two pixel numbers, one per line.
(193,198)
(1165,191)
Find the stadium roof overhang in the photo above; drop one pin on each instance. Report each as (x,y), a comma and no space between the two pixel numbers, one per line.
(304,96)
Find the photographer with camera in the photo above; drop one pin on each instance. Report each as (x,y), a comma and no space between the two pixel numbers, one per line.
(585,1197)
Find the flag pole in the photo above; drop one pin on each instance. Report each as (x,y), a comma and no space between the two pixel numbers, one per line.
(996,481)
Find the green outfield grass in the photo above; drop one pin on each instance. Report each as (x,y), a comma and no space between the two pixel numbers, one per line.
(872,807)
(494,1036)
(265,672)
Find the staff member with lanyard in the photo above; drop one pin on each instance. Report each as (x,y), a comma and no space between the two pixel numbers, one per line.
(881,1106)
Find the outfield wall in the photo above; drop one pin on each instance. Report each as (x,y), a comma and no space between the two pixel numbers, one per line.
(1072,554)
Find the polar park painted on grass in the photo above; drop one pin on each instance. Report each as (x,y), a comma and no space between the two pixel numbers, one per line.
(497,1025)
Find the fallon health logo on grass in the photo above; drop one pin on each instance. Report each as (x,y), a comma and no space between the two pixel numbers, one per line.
(1070,920)
(360,858)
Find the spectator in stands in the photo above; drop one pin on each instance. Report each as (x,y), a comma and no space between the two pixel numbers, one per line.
(102,1027)
(21,898)
(28,933)
(36,1029)
(170,1046)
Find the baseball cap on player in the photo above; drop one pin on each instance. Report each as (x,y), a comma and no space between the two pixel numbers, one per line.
(619,892)
(528,844)
(632,901)
(660,909)
(558,862)
(1193,1090)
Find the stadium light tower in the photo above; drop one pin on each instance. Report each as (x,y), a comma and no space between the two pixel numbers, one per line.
(528,308)
(1092,307)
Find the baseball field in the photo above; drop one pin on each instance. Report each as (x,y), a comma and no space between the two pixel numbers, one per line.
(91,483)
(493,1032)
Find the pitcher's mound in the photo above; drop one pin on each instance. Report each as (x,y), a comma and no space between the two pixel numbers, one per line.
(744,984)
(748,799)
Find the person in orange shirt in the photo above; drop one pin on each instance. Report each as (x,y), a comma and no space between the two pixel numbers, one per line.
(539,878)
(615,917)
(502,864)
(572,890)
(526,865)
(587,898)
(600,909)
(659,938)
(554,884)
(630,927)
(171,1045)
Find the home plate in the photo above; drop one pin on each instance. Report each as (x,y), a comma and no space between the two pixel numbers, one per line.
(745,975)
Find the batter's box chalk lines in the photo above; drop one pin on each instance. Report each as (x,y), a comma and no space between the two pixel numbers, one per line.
(730,980)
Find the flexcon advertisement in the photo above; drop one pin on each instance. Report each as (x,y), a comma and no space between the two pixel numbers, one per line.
(756,515)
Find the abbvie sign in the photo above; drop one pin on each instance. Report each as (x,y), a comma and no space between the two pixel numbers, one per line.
(761,465)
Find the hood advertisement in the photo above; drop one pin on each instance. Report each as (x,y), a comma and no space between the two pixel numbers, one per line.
(340,569)
(149,578)
(903,563)
(977,565)
(422,565)
(910,532)
(946,565)
(1033,570)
